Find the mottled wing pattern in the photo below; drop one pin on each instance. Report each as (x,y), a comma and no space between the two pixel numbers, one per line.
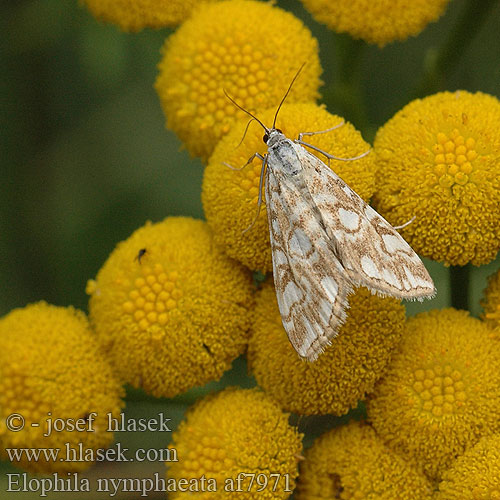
(311,284)
(372,252)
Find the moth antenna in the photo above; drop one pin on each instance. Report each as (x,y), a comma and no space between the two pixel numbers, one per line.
(245,111)
(245,133)
(286,95)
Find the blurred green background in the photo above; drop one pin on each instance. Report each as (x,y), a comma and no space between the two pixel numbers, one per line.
(86,158)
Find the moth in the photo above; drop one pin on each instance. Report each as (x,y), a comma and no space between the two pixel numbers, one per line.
(326,240)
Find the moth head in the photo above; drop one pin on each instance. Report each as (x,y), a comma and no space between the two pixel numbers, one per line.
(270,133)
(273,136)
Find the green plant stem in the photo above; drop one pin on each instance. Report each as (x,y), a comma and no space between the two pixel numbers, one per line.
(345,94)
(459,282)
(443,62)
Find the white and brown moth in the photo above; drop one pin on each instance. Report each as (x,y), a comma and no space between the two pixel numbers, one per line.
(326,240)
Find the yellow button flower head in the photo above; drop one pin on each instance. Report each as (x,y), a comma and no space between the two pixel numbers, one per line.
(134,15)
(52,368)
(440,162)
(232,432)
(171,309)
(251,49)
(441,393)
(377,22)
(344,373)
(230,198)
(475,475)
(491,301)
(352,462)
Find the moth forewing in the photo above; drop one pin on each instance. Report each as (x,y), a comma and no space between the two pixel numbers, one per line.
(311,288)
(372,252)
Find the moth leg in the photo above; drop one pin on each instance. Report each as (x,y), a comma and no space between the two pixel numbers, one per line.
(406,223)
(302,134)
(261,182)
(250,160)
(328,155)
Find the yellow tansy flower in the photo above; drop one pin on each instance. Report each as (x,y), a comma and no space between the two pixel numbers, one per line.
(440,162)
(344,373)
(171,309)
(250,49)
(491,301)
(441,393)
(134,15)
(352,462)
(232,433)
(230,198)
(377,22)
(51,367)
(475,475)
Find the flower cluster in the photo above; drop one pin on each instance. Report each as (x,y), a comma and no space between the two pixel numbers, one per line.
(475,475)
(207,57)
(237,432)
(353,462)
(441,162)
(51,367)
(134,15)
(170,308)
(441,393)
(377,22)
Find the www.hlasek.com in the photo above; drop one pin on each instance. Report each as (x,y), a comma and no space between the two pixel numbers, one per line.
(79,453)
(243,482)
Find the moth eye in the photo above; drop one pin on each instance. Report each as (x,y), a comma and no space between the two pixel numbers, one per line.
(278,130)
(265,138)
